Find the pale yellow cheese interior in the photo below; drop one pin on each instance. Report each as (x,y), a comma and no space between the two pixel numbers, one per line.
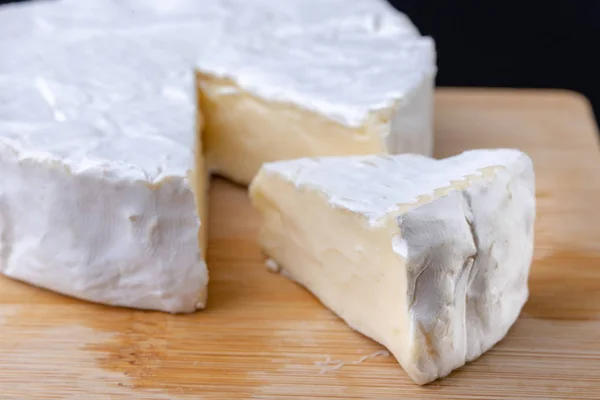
(348,264)
(242,131)
(200,181)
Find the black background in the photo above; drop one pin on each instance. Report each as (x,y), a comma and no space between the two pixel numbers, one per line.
(521,44)
(530,44)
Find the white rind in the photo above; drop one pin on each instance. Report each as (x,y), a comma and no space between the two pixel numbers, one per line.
(411,127)
(468,281)
(392,180)
(99,152)
(98,236)
(127,100)
(464,235)
(289,17)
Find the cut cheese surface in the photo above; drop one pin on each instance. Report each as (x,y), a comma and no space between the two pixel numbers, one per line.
(428,257)
(315,95)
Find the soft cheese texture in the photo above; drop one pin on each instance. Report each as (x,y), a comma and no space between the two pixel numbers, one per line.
(98,123)
(284,97)
(428,257)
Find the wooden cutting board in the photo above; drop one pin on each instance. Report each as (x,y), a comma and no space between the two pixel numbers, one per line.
(263,337)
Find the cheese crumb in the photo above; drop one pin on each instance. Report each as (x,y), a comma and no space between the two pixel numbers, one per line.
(272,266)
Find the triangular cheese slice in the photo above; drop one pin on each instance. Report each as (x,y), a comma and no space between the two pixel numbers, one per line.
(428,257)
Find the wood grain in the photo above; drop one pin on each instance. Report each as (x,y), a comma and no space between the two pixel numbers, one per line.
(262,336)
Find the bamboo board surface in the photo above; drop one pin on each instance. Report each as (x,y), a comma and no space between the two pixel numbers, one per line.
(262,337)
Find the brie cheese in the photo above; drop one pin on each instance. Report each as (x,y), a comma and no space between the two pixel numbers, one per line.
(104,180)
(428,257)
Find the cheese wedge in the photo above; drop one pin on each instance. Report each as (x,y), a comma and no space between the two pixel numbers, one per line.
(428,257)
